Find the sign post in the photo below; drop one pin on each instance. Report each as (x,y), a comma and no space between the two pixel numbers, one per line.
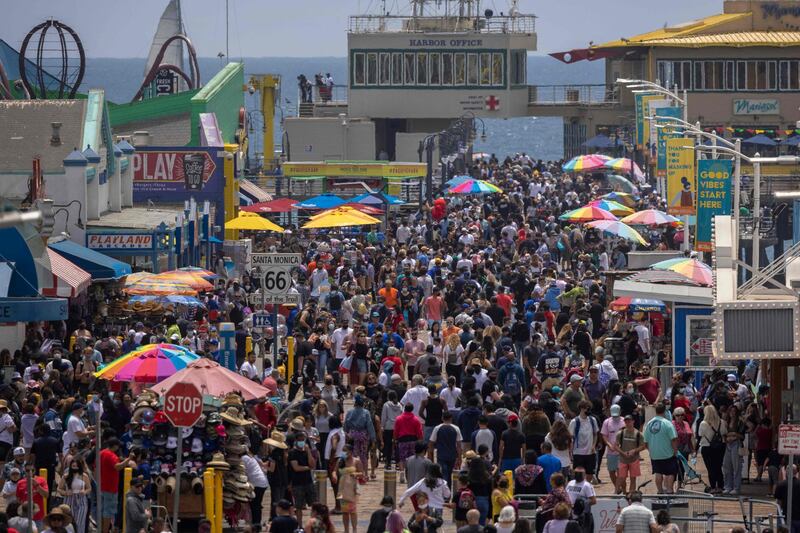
(183,405)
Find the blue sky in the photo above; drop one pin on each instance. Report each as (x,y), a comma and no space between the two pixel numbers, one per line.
(305,28)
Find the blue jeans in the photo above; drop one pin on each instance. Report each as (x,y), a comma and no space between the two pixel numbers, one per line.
(426,434)
(509,464)
(482,503)
(447,470)
(322,365)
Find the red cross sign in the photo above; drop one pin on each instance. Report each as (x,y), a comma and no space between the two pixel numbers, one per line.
(492,103)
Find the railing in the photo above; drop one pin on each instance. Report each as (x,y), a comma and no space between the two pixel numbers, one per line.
(409,24)
(565,95)
(325,95)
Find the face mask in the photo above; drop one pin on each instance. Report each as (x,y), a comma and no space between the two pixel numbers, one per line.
(74,469)
(579,477)
(300,444)
(328,382)
(630,390)
(387,508)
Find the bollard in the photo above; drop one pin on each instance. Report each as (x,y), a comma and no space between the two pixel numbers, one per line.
(390,483)
(322,486)
(43,475)
(248,344)
(127,475)
(289,358)
(218,502)
(208,495)
(510,477)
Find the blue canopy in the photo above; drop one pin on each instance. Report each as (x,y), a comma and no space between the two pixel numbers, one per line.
(599,141)
(323,201)
(376,198)
(760,139)
(100,266)
(456,180)
(792,141)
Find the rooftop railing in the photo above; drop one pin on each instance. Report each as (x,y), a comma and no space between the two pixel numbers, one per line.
(442,24)
(593,94)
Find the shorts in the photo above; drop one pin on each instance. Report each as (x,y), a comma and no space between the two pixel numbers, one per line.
(612,461)
(633,469)
(761,457)
(304,495)
(588,462)
(665,467)
(109,509)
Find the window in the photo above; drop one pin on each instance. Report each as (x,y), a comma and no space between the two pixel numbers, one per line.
(447,69)
(519,64)
(358,68)
(435,68)
(756,75)
(675,74)
(730,75)
(472,69)
(709,75)
(422,68)
(385,64)
(409,68)
(497,70)
(789,74)
(397,68)
(486,69)
(460,68)
(372,69)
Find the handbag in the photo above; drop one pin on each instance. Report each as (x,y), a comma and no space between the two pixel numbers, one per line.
(344,366)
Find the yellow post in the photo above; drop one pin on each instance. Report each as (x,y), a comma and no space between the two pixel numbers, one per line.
(269,83)
(289,357)
(127,475)
(248,344)
(510,477)
(217,502)
(231,192)
(208,495)
(43,474)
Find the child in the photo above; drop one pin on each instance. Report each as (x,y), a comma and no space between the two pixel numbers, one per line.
(463,500)
(10,487)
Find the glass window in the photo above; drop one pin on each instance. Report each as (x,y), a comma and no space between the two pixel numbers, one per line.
(518,67)
(409,68)
(741,75)
(422,68)
(730,75)
(397,68)
(472,69)
(460,68)
(697,77)
(772,75)
(447,69)
(497,70)
(372,69)
(385,64)
(358,68)
(486,69)
(435,68)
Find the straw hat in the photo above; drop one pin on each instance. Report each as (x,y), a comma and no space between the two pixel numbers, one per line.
(298,424)
(276,439)
(232,416)
(470,455)
(218,463)
(232,399)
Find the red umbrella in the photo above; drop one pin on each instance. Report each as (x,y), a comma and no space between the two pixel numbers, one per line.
(211,379)
(278,205)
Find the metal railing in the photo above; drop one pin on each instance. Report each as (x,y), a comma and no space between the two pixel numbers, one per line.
(449,24)
(592,94)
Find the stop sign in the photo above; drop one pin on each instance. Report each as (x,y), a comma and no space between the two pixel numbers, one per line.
(183,404)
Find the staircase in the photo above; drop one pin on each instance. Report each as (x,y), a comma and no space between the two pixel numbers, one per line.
(306,110)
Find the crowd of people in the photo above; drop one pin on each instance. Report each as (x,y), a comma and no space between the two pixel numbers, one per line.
(470,337)
(323,84)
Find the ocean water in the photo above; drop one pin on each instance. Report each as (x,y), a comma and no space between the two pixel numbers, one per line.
(539,137)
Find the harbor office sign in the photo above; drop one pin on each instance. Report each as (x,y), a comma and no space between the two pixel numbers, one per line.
(746,106)
(176,174)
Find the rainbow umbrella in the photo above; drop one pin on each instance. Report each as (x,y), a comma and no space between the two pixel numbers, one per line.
(159,287)
(150,363)
(623,164)
(693,269)
(136,277)
(612,207)
(586,214)
(474,187)
(638,305)
(618,229)
(628,200)
(197,282)
(585,162)
(650,217)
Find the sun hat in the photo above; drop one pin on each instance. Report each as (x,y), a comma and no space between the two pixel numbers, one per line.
(298,424)
(276,439)
(218,462)
(232,416)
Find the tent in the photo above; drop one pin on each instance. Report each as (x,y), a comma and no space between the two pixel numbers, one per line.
(341,217)
(376,198)
(252,222)
(760,140)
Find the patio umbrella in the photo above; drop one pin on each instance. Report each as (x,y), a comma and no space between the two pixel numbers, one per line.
(211,379)
(689,267)
(149,286)
(612,207)
(252,222)
(651,217)
(278,205)
(638,305)
(168,299)
(150,363)
(202,272)
(369,209)
(760,140)
(135,277)
(455,180)
(474,187)
(195,281)
(794,140)
(341,217)
(628,200)
(376,198)
(625,165)
(624,184)
(586,214)
(583,163)
(323,201)
(618,229)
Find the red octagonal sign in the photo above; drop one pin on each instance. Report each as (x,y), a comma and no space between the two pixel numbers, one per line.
(183,404)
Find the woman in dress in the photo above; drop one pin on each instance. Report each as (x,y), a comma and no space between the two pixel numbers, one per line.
(359,426)
(347,479)
(75,486)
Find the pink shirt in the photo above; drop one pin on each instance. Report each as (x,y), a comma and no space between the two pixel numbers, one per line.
(413,349)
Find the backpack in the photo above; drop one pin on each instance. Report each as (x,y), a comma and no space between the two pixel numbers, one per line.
(716,442)
(335,301)
(512,385)
(466,500)
(592,422)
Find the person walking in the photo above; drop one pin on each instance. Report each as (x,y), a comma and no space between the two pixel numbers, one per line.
(732,460)
(446,440)
(611,426)
(662,443)
(76,487)
(629,443)
(711,433)
(585,431)
(349,469)
(636,518)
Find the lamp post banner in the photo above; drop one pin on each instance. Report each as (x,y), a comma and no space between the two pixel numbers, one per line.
(681,178)
(713,197)
(667,132)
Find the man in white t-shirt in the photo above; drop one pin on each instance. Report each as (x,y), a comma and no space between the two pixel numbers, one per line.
(643,332)
(248,368)
(339,339)
(584,430)
(581,489)
(76,429)
(7,430)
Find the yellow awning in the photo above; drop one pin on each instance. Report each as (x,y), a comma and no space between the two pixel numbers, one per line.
(692,28)
(252,222)
(735,39)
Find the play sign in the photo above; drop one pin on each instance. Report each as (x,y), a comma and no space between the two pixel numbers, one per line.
(183,404)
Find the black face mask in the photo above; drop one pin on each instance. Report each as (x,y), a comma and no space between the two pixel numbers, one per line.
(579,477)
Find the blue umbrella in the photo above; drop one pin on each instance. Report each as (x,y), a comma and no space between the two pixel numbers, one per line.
(599,141)
(170,298)
(376,198)
(760,139)
(456,180)
(792,141)
(323,201)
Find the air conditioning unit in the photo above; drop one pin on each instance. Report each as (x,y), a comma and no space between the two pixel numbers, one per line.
(757,329)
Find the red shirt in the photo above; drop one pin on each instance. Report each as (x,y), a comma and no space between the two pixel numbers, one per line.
(649,390)
(407,424)
(38,499)
(266,415)
(763,438)
(109,481)
(504,301)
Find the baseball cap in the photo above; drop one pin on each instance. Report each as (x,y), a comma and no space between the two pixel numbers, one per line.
(574,377)
(731,377)
(614,410)
(19,450)
(285,504)
(628,417)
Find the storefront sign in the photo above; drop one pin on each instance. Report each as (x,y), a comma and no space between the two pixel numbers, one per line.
(681,180)
(778,11)
(668,132)
(433,43)
(745,106)
(32,309)
(176,174)
(164,82)
(378,170)
(713,197)
(120,241)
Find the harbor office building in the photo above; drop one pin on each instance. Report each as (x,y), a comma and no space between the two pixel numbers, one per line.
(740,68)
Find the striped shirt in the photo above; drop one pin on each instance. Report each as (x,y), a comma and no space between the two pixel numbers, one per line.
(636,518)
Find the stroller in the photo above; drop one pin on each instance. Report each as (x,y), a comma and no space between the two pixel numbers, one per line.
(688,475)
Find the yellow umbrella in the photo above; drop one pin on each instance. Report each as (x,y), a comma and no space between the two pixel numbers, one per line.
(345,208)
(252,222)
(341,218)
